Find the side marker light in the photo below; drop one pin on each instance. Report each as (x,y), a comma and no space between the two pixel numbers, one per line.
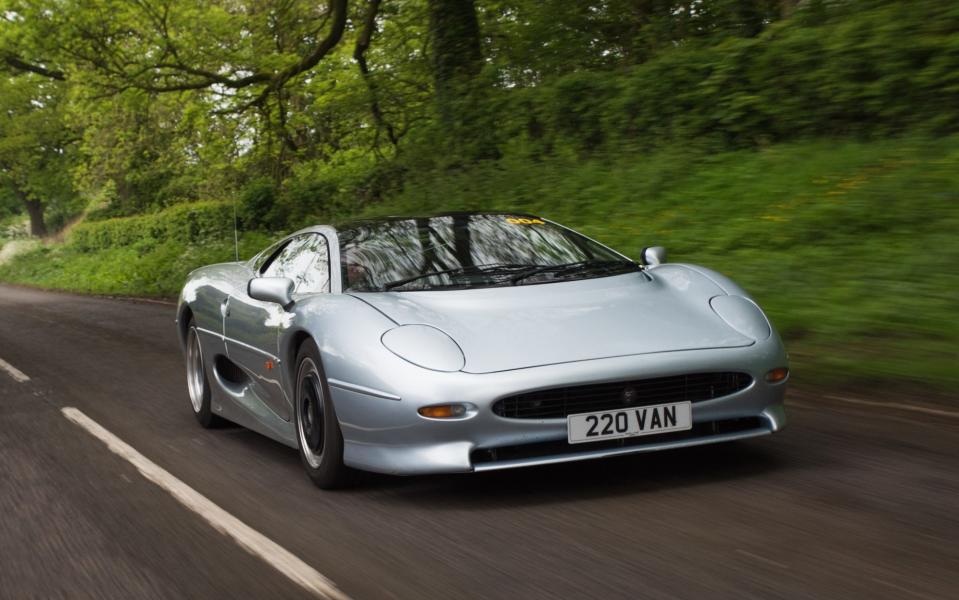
(443,411)
(777,375)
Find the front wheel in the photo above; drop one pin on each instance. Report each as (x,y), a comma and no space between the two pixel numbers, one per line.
(317,429)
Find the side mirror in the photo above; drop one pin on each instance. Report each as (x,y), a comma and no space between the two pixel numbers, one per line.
(653,256)
(278,290)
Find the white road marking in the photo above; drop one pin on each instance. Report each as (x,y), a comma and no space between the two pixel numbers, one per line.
(249,539)
(922,409)
(14,372)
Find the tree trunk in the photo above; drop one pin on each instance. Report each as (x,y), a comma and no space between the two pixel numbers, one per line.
(38,226)
(456,62)
(456,59)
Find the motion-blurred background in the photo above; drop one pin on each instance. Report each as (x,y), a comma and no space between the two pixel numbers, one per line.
(807,148)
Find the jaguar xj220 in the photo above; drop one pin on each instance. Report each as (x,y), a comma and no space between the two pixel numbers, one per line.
(474,341)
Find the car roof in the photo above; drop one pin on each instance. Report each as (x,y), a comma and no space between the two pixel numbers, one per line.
(351,223)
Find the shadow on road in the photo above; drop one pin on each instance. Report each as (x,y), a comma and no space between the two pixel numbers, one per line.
(570,482)
(585,480)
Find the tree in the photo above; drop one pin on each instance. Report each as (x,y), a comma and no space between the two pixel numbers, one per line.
(35,147)
(121,58)
(143,151)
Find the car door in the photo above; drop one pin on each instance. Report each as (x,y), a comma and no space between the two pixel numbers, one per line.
(252,326)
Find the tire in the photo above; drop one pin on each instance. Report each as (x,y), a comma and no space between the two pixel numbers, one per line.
(318,434)
(198,386)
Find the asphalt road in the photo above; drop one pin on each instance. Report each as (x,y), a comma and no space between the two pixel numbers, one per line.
(852,500)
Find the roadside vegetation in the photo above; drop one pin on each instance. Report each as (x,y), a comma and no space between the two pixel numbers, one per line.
(809,149)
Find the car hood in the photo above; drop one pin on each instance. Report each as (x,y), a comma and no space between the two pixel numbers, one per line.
(503,328)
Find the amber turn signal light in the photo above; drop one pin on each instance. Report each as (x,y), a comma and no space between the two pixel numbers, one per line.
(778,374)
(443,411)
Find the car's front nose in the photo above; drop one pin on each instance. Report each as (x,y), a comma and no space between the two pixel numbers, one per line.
(517,328)
(387,433)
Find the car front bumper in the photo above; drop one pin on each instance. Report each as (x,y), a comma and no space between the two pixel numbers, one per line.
(384,433)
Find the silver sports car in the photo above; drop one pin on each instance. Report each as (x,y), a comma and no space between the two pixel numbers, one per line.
(474,341)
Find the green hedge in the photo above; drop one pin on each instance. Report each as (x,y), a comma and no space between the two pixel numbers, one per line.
(881,68)
(193,223)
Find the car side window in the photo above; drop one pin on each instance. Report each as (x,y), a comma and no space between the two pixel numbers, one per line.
(292,260)
(316,278)
(305,260)
(262,261)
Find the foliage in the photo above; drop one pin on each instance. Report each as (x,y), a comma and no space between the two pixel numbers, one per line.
(194,223)
(887,70)
(172,106)
(531,42)
(9,204)
(143,153)
(145,270)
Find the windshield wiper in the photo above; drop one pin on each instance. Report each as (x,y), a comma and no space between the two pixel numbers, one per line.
(490,269)
(573,267)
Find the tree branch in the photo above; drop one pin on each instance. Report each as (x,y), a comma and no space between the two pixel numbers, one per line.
(19,64)
(274,82)
(359,55)
(338,12)
(174,75)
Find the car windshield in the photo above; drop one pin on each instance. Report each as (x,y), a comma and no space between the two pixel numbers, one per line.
(469,250)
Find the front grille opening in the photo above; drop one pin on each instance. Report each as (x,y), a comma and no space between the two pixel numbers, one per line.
(557,403)
(229,371)
(561,447)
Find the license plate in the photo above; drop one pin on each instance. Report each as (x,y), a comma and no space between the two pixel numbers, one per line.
(630,422)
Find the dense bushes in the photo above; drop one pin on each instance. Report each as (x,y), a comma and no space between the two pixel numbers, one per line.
(151,270)
(193,223)
(878,69)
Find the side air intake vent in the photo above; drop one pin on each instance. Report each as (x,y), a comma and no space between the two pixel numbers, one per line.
(229,371)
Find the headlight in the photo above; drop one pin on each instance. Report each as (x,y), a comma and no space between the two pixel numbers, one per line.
(742,315)
(425,346)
